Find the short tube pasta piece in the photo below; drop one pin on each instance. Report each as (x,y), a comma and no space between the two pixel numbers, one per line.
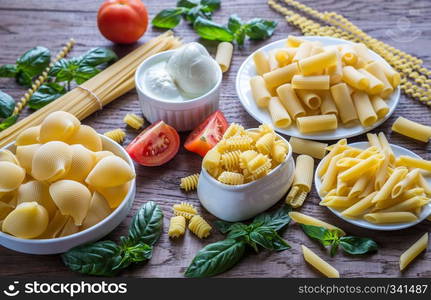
(304,172)
(375,69)
(304,51)
(280,76)
(318,263)
(328,105)
(317,123)
(381,107)
(343,101)
(364,109)
(375,86)
(317,82)
(355,78)
(279,115)
(259,91)
(309,220)
(282,57)
(311,99)
(359,207)
(316,64)
(224,55)
(411,162)
(413,251)
(294,41)
(349,55)
(363,52)
(261,63)
(393,76)
(308,147)
(412,129)
(290,101)
(390,217)
(177,226)
(272,61)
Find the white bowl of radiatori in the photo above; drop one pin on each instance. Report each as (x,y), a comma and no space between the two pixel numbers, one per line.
(66,186)
(246,173)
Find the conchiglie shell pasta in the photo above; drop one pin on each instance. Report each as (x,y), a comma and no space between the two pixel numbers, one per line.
(87,137)
(72,199)
(28,220)
(6,155)
(25,154)
(115,195)
(28,136)
(58,126)
(98,156)
(5,209)
(69,228)
(36,191)
(99,210)
(11,176)
(82,163)
(109,172)
(55,226)
(51,161)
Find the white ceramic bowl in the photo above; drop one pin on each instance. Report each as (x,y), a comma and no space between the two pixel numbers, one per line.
(96,232)
(426,211)
(234,203)
(183,116)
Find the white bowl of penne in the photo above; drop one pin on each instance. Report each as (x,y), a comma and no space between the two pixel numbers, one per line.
(93,233)
(338,89)
(374,184)
(240,201)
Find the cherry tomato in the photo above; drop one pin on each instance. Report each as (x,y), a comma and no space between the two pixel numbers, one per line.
(207,134)
(122,21)
(154,146)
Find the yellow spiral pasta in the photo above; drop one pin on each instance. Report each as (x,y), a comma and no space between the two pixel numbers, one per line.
(246,157)
(177,226)
(116,135)
(265,143)
(133,121)
(239,143)
(230,160)
(185,209)
(234,129)
(190,182)
(199,227)
(231,178)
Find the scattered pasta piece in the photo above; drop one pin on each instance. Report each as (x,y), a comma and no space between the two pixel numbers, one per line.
(412,129)
(116,135)
(177,226)
(413,251)
(309,220)
(224,55)
(317,262)
(185,209)
(133,121)
(199,227)
(190,182)
(303,177)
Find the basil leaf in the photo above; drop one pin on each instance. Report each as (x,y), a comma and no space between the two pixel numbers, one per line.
(268,238)
(83,73)
(46,93)
(23,78)
(259,29)
(195,12)
(188,3)
(334,247)
(8,70)
(216,258)
(134,253)
(210,5)
(8,122)
(60,65)
(357,245)
(222,226)
(64,69)
(212,31)
(147,224)
(168,18)
(7,105)
(97,56)
(93,259)
(240,36)
(237,230)
(234,23)
(318,233)
(276,220)
(34,61)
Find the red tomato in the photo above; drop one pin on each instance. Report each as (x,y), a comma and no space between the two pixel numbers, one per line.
(154,146)
(122,21)
(207,134)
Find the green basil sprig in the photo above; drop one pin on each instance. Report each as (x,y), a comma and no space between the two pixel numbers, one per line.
(106,258)
(189,9)
(262,232)
(30,64)
(46,93)
(350,244)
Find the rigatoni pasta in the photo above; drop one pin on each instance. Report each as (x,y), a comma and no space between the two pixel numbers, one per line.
(412,129)
(318,123)
(308,147)
(259,91)
(279,115)
(224,55)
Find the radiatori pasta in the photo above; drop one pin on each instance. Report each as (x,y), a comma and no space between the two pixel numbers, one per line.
(371,185)
(71,185)
(312,80)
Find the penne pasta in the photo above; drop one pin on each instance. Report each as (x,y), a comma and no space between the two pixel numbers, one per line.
(330,178)
(338,148)
(290,101)
(344,103)
(412,162)
(318,263)
(390,217)
(318,123)
(317,82)
(261,63)
(373,140)
(413,251)
(385,192)
(364,109)
(224,55)
(359,207)
(412,129)
(279,115)
(359,169)
(386,146)
(308,220)
(410,178)
(308,147)
(259,91)
(382,175)
(424,184)
(360,185)
(408,205)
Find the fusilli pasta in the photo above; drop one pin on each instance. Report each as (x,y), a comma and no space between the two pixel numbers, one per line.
(199,227)
(177,226)
(190,182)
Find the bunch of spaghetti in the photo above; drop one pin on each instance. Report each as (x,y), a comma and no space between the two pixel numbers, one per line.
(415,78)
(98,91)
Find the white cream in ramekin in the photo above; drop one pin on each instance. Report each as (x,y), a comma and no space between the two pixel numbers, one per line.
(234,203)
(182,115)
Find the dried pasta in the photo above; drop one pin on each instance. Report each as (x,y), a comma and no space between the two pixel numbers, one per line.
(303,177)
(133,121)
(116,135)
(185,209)
(412,129)
(190,182)
(317,262)
(199,227)
(308,147)
(413,251)
(224,55)
(177,226)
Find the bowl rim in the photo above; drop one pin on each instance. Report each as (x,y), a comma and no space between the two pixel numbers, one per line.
(115,212)
(254,182)
(168,53)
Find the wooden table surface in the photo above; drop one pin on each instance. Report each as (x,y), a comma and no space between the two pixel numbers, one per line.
(403,24)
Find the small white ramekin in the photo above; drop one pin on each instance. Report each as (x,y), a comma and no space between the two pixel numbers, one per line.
(94,233)
(183,116)
(234,203)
